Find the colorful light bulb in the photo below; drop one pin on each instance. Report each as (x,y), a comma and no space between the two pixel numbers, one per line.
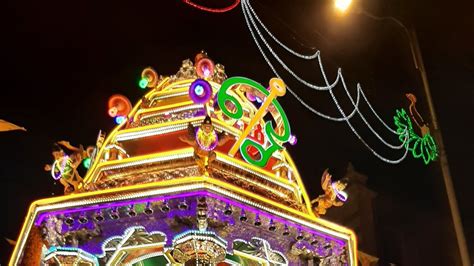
(143,83)
(199,90)
(293,140)
(120,119)
(87,162)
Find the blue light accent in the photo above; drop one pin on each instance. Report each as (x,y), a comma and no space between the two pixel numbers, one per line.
(199,90)
(120,119)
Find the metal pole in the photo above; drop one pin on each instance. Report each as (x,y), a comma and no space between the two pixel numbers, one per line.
(443,159)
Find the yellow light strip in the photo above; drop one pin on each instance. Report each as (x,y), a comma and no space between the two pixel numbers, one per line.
(168,127)
(157,87)
(281,194)
(300,183)
(269,176)
(176,110)
(100,153)
(150,158)
(186,82)
(145,159)
(162,107)
(165,90)
(188,152)
(224,127)
(157,126)
(177,91)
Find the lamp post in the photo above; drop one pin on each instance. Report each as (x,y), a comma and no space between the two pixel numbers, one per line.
(343,6)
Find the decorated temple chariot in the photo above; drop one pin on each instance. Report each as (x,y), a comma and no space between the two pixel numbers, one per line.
(195,173)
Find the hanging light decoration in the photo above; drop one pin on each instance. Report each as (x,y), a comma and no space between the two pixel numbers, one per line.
(83,219)
(286,230)
(114,214)
(257,221)
(255,25)
(228,210)
(148,210)
(131,211)
(165,207)
(99,216)
(243,216)
(213,10)
(69,220)
(271,225)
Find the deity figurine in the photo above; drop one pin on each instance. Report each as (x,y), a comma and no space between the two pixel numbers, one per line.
(332,192)
(204,140)
(64,167)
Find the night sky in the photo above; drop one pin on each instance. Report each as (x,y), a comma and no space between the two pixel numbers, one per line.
(61,60)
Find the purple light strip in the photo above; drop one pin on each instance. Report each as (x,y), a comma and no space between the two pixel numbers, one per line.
(269,216)
(190,194)
(114,205)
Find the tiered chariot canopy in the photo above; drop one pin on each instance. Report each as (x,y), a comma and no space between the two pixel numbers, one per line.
(196,172)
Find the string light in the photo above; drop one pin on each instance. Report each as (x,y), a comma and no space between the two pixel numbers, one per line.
(250,18)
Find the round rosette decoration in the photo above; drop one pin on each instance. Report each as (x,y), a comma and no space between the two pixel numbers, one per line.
(119,105)
(149,78)
(200,91)
(421,147)
(204,65)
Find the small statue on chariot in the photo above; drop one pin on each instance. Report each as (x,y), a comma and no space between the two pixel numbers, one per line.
(204,140)
(334,194)
(64,167)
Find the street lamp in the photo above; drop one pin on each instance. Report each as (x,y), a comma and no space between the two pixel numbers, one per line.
(343,5)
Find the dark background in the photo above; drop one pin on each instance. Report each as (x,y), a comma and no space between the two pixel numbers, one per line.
(61,60)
